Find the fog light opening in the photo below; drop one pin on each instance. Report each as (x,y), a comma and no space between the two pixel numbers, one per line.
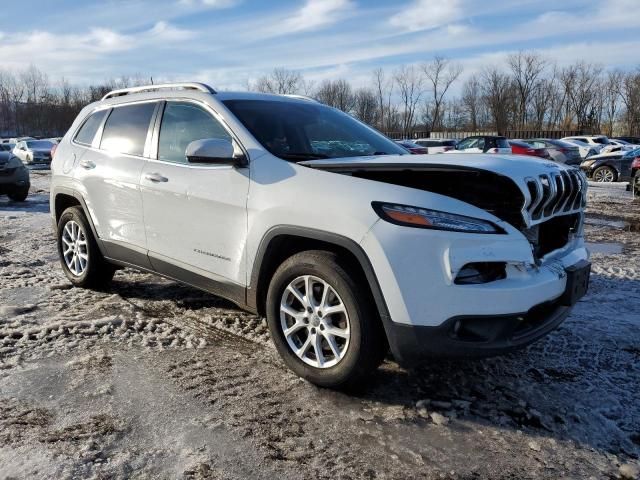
(481,272)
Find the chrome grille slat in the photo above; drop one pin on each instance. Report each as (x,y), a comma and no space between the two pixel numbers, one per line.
(556,193)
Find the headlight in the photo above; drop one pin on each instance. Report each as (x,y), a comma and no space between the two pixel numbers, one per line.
(433,219)
(14,162)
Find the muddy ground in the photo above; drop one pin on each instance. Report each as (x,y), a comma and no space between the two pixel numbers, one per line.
(152,379)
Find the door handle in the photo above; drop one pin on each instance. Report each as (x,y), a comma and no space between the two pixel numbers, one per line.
(87,164)
(155,177)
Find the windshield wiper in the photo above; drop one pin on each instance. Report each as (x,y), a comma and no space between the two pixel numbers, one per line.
(302,156)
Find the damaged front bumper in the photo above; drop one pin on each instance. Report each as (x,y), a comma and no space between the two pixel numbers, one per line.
(431,315)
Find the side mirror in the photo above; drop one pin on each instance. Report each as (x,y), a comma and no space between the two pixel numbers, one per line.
(214,151)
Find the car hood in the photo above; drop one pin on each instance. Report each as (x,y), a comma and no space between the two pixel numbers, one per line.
(545,188)
(509,165)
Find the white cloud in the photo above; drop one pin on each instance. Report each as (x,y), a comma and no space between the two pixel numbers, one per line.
(165,31)
(427,14)
(210,3)
(315,14)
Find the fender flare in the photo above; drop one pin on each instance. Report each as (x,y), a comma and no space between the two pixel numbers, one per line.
(332,238)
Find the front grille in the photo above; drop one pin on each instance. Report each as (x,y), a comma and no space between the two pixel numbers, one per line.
(553,233)
(550,194)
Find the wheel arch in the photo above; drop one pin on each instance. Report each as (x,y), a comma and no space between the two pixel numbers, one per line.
(65,198)
(283,241)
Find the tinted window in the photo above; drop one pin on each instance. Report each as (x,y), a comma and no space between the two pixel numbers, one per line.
(601,140)
(501,142)
(303,130)
(90,127)
(40,144)
(183,123)
(126,128)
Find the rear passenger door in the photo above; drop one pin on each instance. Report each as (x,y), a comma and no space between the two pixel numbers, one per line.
(195,214)
(109,172)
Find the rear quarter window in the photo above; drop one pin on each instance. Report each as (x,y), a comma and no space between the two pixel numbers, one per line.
(89,128)
(126,128)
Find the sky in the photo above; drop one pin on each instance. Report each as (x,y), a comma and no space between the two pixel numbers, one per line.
(228,43)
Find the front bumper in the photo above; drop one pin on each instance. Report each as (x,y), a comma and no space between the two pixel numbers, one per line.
(430,314)
(485,336)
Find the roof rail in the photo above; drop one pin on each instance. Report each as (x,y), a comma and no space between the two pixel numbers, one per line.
(301,97)
(168,86)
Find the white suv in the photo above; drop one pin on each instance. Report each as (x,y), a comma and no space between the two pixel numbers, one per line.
(344,241)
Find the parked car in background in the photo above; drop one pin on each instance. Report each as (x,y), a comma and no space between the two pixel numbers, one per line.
(437,145)
(608,167)
(20,139)
(634,155)
(34,151)
(593,140)
(519,147)
(630,139)
(14,177)
(482,144)
(559,150)
(413,147)
(6,147)
(584,148)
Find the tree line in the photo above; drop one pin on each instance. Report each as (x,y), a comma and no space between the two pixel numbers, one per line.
(526,92)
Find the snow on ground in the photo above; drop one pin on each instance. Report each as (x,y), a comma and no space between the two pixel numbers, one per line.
(152,379)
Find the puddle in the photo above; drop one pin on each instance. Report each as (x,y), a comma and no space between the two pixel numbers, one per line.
(604,222)
(627,226)
(605,248)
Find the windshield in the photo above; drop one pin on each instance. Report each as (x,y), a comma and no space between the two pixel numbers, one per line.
(299,131)
(40,144)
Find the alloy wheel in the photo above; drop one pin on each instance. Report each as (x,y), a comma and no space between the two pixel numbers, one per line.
(314,321)
(74,248)
(604,176)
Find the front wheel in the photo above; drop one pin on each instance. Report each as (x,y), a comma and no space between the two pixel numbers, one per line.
(322,322)
(19,194)
(81,260)
(605,174)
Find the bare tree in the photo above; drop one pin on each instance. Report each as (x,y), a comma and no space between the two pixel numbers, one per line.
(526,68)
(409,84)
(630,96)
(581,84)
(280,81)
(497,92)
(441,74)
(366,107)
(472,100)
(383,89)
(336,93)
(611,99)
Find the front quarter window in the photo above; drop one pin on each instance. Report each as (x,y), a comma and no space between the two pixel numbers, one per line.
(303,130)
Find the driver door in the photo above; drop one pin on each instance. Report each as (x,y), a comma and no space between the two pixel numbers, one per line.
(195,214)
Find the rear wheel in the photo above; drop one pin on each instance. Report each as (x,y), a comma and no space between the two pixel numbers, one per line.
(81,260)
(605,174)
(19,194)
(322,322)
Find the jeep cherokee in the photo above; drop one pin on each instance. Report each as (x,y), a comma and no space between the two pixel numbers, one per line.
(345,242)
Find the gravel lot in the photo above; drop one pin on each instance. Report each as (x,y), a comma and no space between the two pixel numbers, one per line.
(152,379)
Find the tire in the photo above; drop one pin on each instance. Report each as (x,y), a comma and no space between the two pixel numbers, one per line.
(91,269)
(605,174)
(359,354)
(19,194)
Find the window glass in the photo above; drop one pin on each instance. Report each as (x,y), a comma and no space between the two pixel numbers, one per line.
(126,128)
(90,127)
(304,130)
(501,142)
(601,140)
(467,143)
(183,123)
